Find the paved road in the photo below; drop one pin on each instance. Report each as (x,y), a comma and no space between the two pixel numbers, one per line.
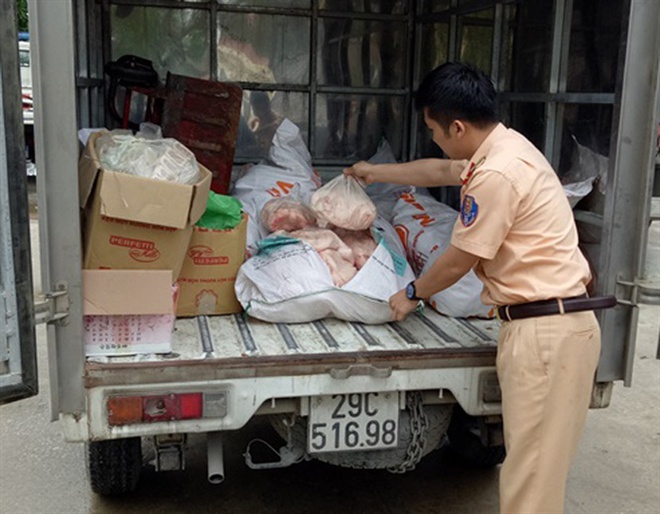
(617,469)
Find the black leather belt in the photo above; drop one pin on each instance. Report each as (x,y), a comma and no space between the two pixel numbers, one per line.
(555,306)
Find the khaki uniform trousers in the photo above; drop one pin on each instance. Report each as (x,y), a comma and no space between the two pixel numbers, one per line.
(546,371)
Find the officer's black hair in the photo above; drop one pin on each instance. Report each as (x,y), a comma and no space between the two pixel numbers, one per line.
(457,91)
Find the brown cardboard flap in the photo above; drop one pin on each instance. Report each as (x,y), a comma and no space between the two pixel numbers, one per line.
(88,168)
(200,196)
(110,292)
(155,202)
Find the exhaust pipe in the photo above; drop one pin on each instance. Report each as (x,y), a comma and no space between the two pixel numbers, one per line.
(215,458)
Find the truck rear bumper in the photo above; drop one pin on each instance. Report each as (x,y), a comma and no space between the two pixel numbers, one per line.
(245,397)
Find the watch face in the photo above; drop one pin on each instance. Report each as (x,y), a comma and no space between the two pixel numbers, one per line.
(410,291)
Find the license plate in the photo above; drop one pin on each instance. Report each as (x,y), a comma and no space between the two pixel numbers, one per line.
(358,421)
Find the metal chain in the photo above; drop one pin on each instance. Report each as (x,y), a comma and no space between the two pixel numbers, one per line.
(418,425)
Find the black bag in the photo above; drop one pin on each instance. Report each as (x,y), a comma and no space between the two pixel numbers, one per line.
(131,71)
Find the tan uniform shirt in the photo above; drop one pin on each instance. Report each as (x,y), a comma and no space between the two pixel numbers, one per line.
(515,217)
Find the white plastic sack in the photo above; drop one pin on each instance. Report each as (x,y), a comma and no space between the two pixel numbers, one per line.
(287,172)
(343,203)
(576,191)
(425,226)
(587,168)
(292,284)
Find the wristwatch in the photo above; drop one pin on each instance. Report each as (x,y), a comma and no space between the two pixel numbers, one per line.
(411,291)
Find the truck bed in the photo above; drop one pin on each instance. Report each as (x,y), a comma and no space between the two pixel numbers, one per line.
(213,347)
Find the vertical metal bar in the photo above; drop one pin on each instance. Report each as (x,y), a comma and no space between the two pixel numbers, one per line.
(630,175)
(106,47)
(82,64)
(213,29)
(453,53)
(498,30)
(95,35)
(553,112)
(562,80)
(408,108)
(313,72)
(413,79)
(56,143)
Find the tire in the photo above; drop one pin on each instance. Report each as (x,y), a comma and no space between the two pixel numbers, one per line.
(114,466)
(464,436)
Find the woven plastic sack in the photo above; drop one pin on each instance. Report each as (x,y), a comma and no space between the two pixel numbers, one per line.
(425,227)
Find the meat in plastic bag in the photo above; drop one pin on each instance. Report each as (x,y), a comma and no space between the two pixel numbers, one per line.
(286,214)
(343,203)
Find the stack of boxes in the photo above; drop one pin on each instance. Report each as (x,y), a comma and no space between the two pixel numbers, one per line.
(145,261)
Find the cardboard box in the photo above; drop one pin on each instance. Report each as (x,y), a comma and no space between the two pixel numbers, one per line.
(209,271)
(128,311)
(133,222)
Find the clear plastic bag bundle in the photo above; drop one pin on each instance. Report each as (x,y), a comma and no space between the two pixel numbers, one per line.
(159,159)
(343,203)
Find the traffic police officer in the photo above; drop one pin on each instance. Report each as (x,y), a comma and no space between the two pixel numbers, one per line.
(516,229)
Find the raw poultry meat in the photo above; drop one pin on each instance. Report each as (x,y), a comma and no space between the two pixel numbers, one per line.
(334,252)
(342,271)
(361,242)
(286,214)
(343,203)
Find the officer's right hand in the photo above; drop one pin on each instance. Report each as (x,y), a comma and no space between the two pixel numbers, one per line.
(363,170)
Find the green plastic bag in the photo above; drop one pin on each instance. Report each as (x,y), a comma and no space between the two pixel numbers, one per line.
(222,212)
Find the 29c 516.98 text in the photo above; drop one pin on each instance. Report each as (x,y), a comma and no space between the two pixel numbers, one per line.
(358,421)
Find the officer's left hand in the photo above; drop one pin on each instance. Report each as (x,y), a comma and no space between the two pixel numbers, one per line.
(401,306)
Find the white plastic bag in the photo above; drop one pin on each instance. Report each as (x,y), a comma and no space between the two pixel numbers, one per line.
(343,203)
(587,168)
(425,227)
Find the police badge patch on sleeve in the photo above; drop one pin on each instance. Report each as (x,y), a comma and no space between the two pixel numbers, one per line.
(469,210)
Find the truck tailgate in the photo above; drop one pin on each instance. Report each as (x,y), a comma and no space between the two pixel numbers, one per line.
(227,346)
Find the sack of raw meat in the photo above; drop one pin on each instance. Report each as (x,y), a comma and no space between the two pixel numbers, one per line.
(343,203)
(289,281)
(425,227)
(286,172)
(286,214)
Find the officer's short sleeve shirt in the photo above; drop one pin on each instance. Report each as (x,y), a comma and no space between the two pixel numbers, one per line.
(516,218)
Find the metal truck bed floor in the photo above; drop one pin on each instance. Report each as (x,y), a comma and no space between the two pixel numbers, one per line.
(232,336)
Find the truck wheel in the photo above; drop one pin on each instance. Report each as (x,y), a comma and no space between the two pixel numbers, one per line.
(465,440)
(114,466)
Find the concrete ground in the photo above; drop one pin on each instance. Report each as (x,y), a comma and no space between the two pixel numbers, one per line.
(617,469)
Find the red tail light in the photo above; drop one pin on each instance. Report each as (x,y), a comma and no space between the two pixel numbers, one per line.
(123,410)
